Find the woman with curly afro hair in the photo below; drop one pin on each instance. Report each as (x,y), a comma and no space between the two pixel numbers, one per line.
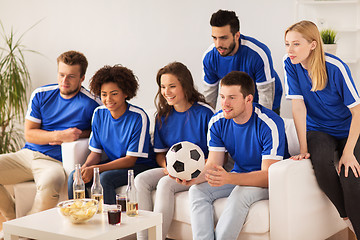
(119,129)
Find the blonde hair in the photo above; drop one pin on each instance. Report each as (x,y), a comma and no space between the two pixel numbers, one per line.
(316,59)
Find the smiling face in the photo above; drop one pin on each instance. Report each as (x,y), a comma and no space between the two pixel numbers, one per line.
(173,92)
(225,42)
(69,80)
(298,48)
(234,105)
(114,99)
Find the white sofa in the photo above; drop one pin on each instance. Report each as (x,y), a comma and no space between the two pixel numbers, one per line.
(296,210)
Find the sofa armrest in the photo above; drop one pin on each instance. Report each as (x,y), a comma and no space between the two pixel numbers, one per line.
(298,208)
(74,153)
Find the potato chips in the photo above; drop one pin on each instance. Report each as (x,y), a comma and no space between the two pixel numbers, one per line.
(79,210)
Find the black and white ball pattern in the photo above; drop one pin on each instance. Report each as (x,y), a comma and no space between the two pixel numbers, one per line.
(185,160)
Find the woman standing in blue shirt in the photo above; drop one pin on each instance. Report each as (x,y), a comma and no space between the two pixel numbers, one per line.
(326,111)
(119,129)
(182,115)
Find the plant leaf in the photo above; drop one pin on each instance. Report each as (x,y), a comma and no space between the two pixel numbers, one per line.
(15,83)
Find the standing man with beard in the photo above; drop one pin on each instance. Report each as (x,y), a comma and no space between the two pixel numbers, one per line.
(56,113)
(232,51)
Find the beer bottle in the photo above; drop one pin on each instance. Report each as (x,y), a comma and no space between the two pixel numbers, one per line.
(97,190)
(78,184)
(131,201)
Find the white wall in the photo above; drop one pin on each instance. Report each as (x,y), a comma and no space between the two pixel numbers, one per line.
(141,35)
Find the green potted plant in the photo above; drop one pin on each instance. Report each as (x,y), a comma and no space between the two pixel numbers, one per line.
(328,37)
(15,84)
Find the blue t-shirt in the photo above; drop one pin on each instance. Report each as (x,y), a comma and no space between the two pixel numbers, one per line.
(262,137)
(328,109)
(252,57)
(47,107)
(127,135)
(191,125)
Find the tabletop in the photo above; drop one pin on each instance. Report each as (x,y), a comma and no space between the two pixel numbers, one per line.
(50,224)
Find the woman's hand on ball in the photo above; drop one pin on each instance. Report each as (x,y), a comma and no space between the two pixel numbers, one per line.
(184,182)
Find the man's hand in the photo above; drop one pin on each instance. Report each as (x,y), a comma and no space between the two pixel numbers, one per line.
(217,176)
(34,134)
(67,135)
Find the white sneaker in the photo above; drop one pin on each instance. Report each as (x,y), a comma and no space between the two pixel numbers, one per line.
(1,235)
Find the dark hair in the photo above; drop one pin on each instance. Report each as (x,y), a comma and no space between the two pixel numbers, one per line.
(182,73)
(223,17)
(74,58)
(241,79)
(122,76)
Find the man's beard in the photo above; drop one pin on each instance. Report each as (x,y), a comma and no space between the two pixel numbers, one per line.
(231,49)
(69,92)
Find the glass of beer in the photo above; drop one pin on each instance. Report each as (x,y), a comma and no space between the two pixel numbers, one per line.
(121,201)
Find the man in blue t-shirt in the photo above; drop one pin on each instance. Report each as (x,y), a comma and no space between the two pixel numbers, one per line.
(254,136)
(232,51)
(56,113)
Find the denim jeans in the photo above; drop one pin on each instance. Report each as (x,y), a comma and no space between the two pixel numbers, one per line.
(239,200)
(110,180)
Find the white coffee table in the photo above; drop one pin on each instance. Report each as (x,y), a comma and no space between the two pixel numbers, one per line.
(50,225)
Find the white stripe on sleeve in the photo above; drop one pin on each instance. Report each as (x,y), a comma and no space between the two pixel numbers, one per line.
(202,62)
(206,105)
(348,83)
(38,90)
(143,129)
(214,119)
(274,134)
(264,57)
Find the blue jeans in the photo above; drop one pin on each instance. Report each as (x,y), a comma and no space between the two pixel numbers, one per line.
(239,200)
(110,180)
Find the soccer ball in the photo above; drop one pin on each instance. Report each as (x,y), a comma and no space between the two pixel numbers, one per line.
(185,160)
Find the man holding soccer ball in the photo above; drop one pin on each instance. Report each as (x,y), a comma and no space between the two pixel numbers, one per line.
(255,138)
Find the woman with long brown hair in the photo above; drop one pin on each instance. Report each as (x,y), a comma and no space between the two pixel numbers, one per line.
(182,115)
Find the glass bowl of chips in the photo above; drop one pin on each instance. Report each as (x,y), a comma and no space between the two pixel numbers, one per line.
(78,210)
